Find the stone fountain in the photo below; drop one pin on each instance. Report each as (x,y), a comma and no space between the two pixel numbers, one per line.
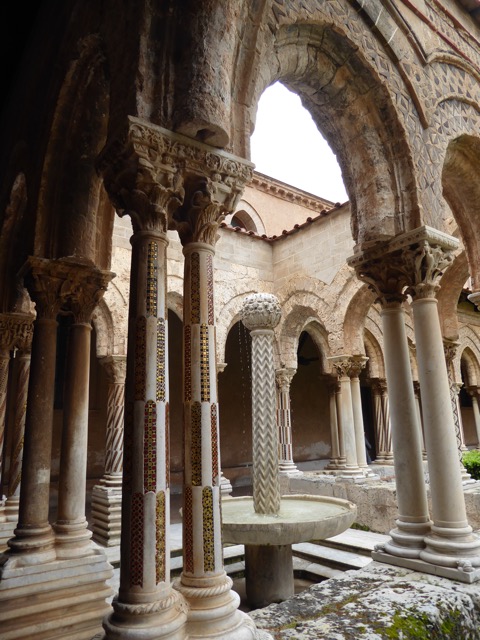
(268,523)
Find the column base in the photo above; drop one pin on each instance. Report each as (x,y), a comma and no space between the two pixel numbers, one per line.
(62,599)
(213,609)
(289,468)
(407,539)
(106,516)
(11,509)
(31,547)
(73,540)
(6,532)
(161,620)
(354,474)
(452,547)
(225,485)
(467,575)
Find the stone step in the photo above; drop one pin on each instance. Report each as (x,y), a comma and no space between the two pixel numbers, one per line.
(356,541)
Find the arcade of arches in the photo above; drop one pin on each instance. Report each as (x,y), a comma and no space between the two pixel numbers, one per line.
(133,226)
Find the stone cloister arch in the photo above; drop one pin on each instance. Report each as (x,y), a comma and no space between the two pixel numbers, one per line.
(329,69)
(461,188)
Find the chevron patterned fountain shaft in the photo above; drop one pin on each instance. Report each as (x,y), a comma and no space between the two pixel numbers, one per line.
(266,490)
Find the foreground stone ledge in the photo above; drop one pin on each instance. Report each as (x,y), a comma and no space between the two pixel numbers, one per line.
(375,603)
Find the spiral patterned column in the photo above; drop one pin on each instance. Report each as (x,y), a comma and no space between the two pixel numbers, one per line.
(261,314)
(107,495)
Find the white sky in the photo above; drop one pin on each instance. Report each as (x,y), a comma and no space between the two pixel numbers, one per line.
(287,145)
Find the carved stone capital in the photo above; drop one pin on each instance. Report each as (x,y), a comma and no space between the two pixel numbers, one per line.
(411,263)
(221,366)
(16,331)
(379,386)
(450,348)
(348,366)
(65,284)
(115,367)
(472,391)
(284,378)
(166,180)
(261,311)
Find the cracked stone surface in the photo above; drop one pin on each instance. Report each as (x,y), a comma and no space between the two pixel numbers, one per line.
(374,603)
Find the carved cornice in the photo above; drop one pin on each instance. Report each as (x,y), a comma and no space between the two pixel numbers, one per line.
(152,174)
(290,194)
(65,284)
(411,263)
(261,311)
(16,331)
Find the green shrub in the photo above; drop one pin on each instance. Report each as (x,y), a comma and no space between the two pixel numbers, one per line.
(471,462)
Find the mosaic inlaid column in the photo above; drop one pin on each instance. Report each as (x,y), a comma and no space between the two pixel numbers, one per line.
(145,594)
(451,543)
(203,582)
(384,275)
(23,343)
(473,392)
(72,535)
(342,365)
(34,539)
(286,464)
(107,495)
(189,186)
(336,459)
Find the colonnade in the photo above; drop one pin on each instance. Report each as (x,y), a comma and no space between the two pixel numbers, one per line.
(441,542)
(162,181)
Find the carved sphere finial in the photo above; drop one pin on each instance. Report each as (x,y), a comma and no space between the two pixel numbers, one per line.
(261,311)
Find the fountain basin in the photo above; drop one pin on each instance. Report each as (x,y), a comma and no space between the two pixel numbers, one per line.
(301,518)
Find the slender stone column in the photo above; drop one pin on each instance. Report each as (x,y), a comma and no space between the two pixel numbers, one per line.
(5,349)
(72,534)
(48,285)
(336,460)
(385,276)
(225,484)
(346,418)
(418,402)
(452,543)
(23,343)
(379,388)
(473,392)
(107,495)
(286,464)
(450,348)
(358,363)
